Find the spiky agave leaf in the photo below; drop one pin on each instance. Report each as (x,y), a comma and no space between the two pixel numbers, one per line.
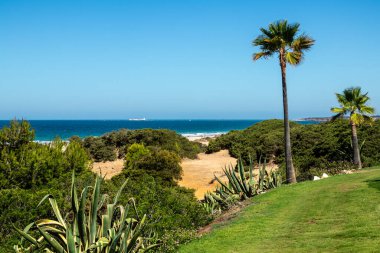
(80,236)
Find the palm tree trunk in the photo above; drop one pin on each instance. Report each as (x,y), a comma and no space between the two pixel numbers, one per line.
(355,146)
(290,173)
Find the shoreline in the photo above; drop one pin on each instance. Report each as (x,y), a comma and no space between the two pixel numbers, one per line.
(189,136)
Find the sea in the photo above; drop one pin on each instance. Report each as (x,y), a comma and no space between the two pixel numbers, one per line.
(47,130)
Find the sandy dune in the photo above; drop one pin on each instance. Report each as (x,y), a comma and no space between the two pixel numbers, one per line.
(108,169)
(198,173)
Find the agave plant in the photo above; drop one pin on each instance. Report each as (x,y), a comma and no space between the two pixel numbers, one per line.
(92,230)
(240,186)
(211,205)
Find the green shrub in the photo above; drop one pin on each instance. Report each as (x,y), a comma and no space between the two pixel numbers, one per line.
(19,207)
(161,164)
(99,150)
(134,154)
(34,164)
(17,134)
(114,144)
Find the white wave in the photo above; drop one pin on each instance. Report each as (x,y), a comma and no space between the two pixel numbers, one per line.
(203,135)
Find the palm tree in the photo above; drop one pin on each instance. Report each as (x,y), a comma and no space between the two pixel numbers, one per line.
(353,102)
(284,40)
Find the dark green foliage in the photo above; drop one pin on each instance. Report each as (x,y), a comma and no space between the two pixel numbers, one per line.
(16,135)
(134,154)
(161,164)
(99,150)
(115,144)
(264,139)
(369,143)
(317,148)
(165,139)
(19,207)
(75,138)
(26,164)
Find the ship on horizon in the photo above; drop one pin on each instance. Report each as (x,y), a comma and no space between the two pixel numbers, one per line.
(137,119)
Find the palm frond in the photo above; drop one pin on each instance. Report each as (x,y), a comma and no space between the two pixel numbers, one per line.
(367,109)
(267,33)
(302,43)
(342,99)
(282,36)
(293,58)
(290,32)
(353,101)
(339,110)
(264,54)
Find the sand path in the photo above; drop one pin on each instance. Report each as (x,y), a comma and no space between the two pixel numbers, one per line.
(198,173)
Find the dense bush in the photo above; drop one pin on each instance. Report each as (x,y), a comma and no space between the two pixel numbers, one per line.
(162,164)
(114,144)
(17,134)
(134,154)
(316,148)
(26,164)
(19,207)
(99,150)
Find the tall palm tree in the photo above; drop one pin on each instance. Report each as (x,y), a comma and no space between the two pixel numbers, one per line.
(353,103)
(284,40)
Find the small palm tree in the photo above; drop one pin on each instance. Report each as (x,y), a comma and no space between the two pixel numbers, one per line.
(283,39)
(353,103)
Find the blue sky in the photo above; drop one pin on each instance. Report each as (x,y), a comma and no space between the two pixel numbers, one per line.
(178,59)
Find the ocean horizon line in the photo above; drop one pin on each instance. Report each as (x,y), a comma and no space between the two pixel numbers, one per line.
(47,130)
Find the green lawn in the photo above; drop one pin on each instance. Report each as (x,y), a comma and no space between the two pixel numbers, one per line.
(338,214)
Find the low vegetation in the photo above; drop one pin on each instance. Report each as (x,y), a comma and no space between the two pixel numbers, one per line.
(26,164)
(241,185)
(317,148)
(159,163)
(115,144)
(29,171)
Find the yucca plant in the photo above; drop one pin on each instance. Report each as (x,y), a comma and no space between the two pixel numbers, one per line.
(92,230)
